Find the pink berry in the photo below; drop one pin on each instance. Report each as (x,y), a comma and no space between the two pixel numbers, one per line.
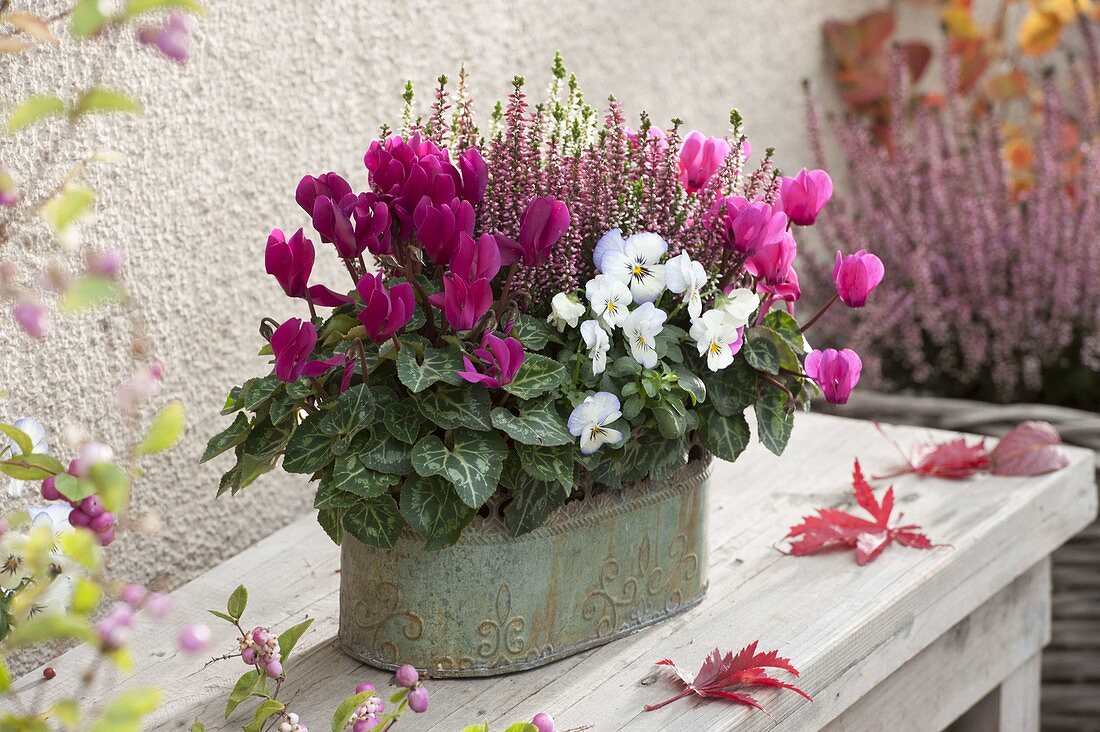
(194,638)
(49,489)
(133,595)
(92,505)
(544,722)
(107,537)
(159,605)
(364,725)
(418,699)
(273,668)
(406,676)
(248,655)
(259,635)
(102,522)
(79,518)
(365,686)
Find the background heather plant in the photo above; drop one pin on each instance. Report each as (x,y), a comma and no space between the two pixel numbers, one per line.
(991,292)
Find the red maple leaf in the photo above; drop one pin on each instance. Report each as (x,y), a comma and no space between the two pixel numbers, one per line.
(954,459)
(1031,448)
(833,529)
(726,676)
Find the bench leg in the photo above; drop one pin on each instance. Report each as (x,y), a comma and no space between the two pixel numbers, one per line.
(1011,707)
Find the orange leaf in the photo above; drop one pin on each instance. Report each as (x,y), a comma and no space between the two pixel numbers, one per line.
(1039,33)
(1008,85)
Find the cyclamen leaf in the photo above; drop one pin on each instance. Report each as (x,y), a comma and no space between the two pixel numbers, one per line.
(351,475)
(386,454)
(1031,448)
(536,376)
(788,329)
(434,510)
(351,412)
(331,520)
(437,364)
(453,407)
(309,449)
(733,388)
(402,422)
(728,676)
(726,437)
(473,466)
(547,463)
(760,351)
(834,529)
(774,421)
(227,439)
(532,502)
(538,423)
(532,332)
(376,522)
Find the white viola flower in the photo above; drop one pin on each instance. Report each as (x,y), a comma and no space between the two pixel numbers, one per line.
(637,264)
(717,337)
(598,344)
(610,300)
(739,305)
(565,310)
(590,418)
(641,329)
(688,278)
(612,241)
(34,430)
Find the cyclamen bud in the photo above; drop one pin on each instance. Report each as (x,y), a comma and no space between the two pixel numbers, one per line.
(856,276)
(805,195)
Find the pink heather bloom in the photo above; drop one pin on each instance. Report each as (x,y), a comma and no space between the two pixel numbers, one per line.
(292,343)
(170,39)
(700,158)
(32,316)
(438,226)
(290,262)
(805,195)
(856,276)
(749,226)
(836,372)
(656,136)
(463,303)
(106,263)
(194,638)
(500,359)
(384,311)
(474,260)
(406,171)
(329,185)
(544,222)
(771,262)
(475,175)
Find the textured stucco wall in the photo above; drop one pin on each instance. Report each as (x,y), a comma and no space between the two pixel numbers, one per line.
(278,88)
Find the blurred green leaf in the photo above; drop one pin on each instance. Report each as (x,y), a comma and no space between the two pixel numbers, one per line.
(124,712)
(165,431)
(137,7)
(90,292)
(31,467)
(67,207)
(112,484)
(86,596)
(33,109)
(21,438)
(237,602)
(347,707)
(5,677)
(82,547)
(67,711)
(73,488)
(101,99)
(86,19)
(51,627)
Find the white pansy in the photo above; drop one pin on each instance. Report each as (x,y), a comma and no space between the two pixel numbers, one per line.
(612,241)
(610,300)
(688,278)
(739,305)
(597,343)
(564,310)
(641,329)
(637,265)
(717,338)
(33,429)
(590,419)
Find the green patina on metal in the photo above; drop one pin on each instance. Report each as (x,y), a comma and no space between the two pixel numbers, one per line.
(599,569)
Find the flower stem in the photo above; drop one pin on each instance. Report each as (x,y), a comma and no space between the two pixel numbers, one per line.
(820,312)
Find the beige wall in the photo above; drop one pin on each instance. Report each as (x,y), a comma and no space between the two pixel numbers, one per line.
(280,88)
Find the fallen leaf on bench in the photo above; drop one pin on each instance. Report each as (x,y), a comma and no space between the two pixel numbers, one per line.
(954,459)
(832,529)
(726,676)
(1031,448)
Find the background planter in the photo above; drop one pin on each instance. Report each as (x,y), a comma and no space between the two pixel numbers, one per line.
(599,569)
(1071,663)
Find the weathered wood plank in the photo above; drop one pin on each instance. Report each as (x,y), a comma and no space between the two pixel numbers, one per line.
(848,628)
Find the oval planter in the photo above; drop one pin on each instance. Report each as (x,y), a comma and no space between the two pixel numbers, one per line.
(598,569)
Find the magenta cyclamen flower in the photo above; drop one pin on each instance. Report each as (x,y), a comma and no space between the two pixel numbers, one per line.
(544,222)
(292,343)
(771,263)
(355,224)
(290,262)
(856,276)
(406,171)
(438,227)
(836,372)
(384,311)
(749,226)
(499,360)
(475,175)
(329,185)
(805,195)
(463,303)
(476,259)
(700,158)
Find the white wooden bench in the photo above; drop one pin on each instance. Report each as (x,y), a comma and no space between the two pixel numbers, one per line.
(915,640)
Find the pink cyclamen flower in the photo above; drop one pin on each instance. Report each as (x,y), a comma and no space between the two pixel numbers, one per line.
(438,226)
(856,276)
(475,175)
(771,263)
(170,39)
(499,358)
(751,225)
(32,316)
(836,372)
(328,185)
(655,137)
(290,261)
(463,303)
(544,222)
(293,342)
(805,195)
(106,263)
(404,171)
(385,311)
(700,158)
(476,259)
(194,638)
